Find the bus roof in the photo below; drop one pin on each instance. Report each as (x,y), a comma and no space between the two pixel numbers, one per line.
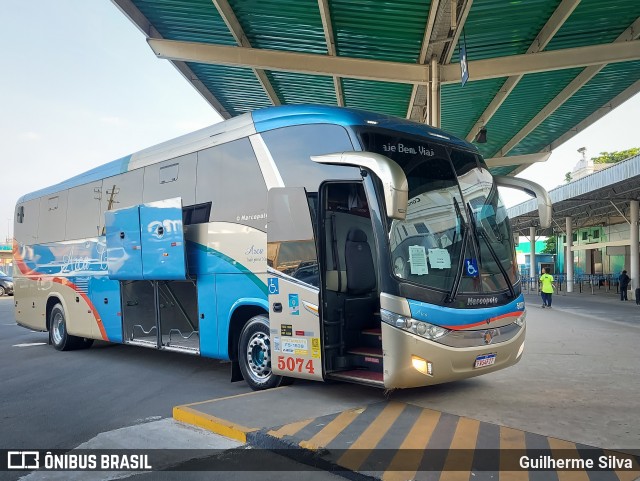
(286,115)
(257,121)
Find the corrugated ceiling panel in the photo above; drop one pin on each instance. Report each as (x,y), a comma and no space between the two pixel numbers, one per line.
(186,20)
(532,93)
(381,30)
(282,24)
(595,21)
(461,106)
(610,82)
(237,89)
(294,88)
(384,97)
(501,170)
(497,28)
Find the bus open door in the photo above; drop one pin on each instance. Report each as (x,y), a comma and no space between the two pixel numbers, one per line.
(292,282)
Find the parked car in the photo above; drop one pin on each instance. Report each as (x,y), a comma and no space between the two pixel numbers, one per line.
(6,284)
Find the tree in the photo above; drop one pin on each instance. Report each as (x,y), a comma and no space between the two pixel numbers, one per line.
(550,246)
(567,177)
(613,157)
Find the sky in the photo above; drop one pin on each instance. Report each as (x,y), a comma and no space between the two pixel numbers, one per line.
(80,87)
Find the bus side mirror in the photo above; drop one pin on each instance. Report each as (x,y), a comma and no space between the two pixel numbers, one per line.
(396,187)
(534,190)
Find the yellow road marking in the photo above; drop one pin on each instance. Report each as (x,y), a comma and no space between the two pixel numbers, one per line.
(626,475)
(252,393)
(568,451)
(211,423)
(417,439)
(512,439)
(461,459)
(369,439)
(290,429)
(331,430)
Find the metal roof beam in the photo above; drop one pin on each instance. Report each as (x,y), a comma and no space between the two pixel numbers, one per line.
(545,61)
(139,20)
(230,19)
(464,13)
(556,20)
(313,64)
(624,40)
(422,58)
(325,15)
(517,159)
(385,71)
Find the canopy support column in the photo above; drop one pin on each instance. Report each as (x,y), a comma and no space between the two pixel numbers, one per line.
(533,271)
(434,93)
(569,254)
(634,257)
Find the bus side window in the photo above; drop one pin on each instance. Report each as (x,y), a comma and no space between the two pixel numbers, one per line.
(53,217)
(196,214)
(292,147)
(230,178)
(26,226)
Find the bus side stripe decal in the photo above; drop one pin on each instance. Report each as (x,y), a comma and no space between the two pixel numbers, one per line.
(35,275)
(255,279)
(66,282)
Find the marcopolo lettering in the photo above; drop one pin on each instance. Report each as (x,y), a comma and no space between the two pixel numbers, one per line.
(481,301)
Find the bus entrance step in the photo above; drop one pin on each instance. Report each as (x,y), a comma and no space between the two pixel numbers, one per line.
(370,378)
(371,337)
(367,357)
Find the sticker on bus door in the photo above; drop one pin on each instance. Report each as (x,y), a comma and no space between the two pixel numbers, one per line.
(294,301)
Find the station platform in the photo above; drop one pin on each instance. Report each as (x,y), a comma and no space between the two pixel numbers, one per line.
(366,433)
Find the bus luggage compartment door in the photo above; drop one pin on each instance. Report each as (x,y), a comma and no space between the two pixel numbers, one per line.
(162,238)
(292,283)
(124,250)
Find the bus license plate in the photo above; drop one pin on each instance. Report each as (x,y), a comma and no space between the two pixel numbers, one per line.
(485,360)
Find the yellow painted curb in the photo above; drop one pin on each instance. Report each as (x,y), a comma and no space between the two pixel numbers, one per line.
(211,423)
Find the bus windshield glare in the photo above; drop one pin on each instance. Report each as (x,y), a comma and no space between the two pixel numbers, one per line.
(456,236)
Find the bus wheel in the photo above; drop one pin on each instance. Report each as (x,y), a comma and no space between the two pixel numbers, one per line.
(85,343)
(254,355)
(58,335)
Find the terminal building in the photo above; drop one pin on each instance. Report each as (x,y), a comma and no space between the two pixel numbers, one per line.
(595,223)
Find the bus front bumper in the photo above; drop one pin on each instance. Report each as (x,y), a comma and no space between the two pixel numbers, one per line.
(401,349)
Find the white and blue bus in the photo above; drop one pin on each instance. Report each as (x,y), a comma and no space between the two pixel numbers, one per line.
(299,241)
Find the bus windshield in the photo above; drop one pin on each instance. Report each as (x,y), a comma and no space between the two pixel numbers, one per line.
(456,235)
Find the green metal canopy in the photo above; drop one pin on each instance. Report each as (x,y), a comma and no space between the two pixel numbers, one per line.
(540,71)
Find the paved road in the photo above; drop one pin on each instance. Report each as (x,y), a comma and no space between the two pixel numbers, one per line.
(579,378)
(107,397)
(578,381)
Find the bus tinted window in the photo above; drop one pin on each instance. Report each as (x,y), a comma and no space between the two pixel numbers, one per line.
(229,176)
(291,148)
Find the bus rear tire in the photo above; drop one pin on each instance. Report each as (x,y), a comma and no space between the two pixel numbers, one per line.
(254,355)
(58,334)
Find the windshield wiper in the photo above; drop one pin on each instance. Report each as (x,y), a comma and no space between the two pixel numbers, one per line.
(451,295)
(483,234)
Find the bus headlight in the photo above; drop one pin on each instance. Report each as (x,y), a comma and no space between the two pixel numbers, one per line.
(420,328)
(520,320)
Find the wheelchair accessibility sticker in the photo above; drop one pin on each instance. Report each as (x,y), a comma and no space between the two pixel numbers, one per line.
(274,287)
(294,305)
(471,267)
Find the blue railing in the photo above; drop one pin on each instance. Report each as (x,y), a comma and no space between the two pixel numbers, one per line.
(581,282)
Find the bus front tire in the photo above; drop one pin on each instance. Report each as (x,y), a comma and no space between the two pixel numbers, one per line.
(58,334)
(254,355)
